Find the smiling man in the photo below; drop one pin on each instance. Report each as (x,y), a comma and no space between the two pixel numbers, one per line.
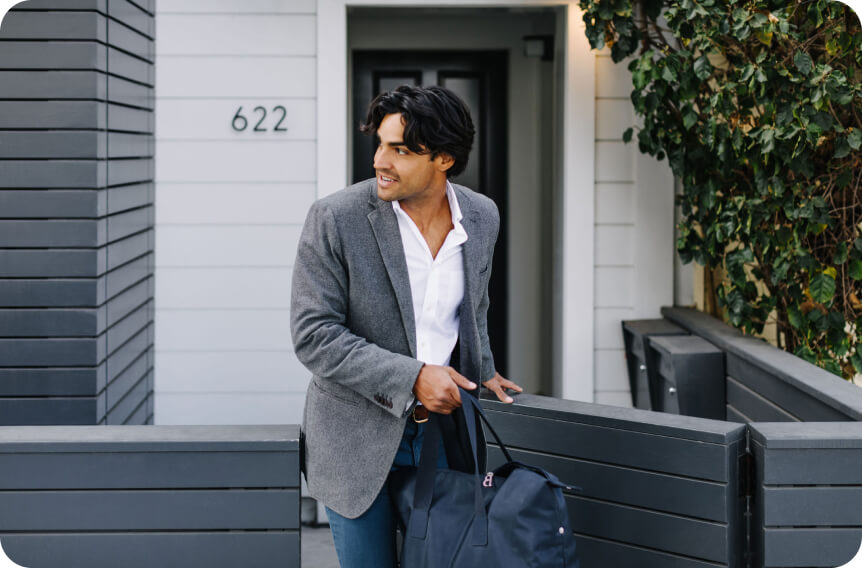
(389,313)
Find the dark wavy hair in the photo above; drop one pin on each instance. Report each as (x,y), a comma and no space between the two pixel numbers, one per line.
(436,121)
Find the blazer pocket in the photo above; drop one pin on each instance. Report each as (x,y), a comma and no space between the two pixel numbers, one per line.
(339,397)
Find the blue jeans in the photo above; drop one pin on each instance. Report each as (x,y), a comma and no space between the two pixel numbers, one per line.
(368,541)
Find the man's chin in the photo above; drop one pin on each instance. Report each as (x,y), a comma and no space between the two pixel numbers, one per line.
(385,195)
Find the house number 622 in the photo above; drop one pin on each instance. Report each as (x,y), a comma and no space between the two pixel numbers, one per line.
(240,122)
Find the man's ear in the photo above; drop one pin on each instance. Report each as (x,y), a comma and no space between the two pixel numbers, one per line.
(444,161)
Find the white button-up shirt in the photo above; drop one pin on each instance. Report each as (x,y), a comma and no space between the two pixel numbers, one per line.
(436,283)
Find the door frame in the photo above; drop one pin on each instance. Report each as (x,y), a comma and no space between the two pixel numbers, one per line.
(574,293)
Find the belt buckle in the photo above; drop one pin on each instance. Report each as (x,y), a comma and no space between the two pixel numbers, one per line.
(417,420)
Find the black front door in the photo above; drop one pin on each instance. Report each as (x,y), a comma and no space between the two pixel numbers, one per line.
(480,79)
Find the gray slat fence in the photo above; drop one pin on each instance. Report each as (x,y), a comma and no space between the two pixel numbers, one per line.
(147,496)
(658,490)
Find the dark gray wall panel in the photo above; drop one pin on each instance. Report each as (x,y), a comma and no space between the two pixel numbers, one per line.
(48,411)
(49,352)
(61,174)
(621,447)
(676,535)
(49,323)
(126,197)
(130,248)
(30,382)
(808,493)
(753,405)
(47,85)
(788,397)
(130,119)
(127,380)
(655,488)
(153,509)
(154,469)
(128,327)
(122,225)
(48,204)
(128,352)
(69,263)
(129,67)
(20,24)
(276,549)
(132,16)
(804,548)
(130,171)
(129,274)
(95,5)
(54,114)
(803,389)
(52,234)
(52,55)
(20,293)
(123,145)
(640,488)
(128,93)
(126,302)
(99,218)
(601,553)
(131,41)
(129,404)
(62,145)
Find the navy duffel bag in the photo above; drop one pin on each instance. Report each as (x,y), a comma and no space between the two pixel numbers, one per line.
(513,517)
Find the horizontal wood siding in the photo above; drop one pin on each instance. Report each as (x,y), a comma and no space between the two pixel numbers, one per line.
(657,490)
(76,212)
(101,497)
(231,205)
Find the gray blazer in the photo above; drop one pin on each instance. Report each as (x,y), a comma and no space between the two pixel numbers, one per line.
(352,323)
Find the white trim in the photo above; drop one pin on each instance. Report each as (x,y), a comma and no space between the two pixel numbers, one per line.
(575,356)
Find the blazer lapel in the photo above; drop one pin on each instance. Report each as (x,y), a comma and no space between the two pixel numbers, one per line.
(385,227)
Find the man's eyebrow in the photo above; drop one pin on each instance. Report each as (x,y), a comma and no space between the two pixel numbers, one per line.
(393,144)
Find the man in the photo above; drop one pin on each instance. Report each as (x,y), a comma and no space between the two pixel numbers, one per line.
(390,284)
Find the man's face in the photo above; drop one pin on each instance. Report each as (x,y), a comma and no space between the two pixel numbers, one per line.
(402,174)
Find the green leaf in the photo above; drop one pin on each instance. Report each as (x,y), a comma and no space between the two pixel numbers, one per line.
(689,119)
(627,135)
(840,256)
(702,68)
(794,316)
(803,62)
(842,147)
(855,269)
(822,288)
(854,138)
(856,359)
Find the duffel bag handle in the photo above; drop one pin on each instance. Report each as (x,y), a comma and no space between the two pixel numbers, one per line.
(424,488)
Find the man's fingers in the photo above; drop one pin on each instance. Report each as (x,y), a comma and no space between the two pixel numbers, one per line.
(461,381)
(501,394)
(510,385)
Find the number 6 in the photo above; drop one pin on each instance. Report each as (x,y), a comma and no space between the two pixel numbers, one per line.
(238,116)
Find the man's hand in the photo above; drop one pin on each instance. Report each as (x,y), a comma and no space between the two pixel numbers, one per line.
(437,388)
(497,384)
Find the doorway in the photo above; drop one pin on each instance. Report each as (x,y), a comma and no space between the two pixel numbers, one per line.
(480,79)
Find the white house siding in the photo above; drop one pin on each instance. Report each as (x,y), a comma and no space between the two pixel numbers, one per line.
(230,206)
(633,231)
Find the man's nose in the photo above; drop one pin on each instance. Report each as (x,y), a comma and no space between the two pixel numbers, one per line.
(380,160)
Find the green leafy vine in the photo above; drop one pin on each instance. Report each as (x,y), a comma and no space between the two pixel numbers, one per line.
(757,106)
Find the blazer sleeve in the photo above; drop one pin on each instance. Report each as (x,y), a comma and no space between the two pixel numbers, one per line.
(488,370)
(318,315)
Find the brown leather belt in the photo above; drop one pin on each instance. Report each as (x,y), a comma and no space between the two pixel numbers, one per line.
(420,414)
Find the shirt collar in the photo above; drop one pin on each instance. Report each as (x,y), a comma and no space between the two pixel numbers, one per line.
(454,207)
